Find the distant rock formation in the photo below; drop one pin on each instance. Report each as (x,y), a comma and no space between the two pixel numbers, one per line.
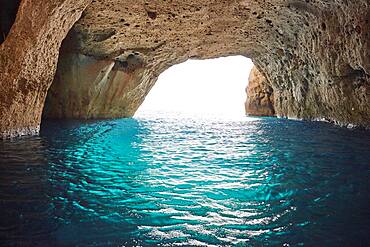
(260,97)
(315,55)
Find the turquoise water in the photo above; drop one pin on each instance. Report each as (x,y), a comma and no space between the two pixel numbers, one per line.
(181,181)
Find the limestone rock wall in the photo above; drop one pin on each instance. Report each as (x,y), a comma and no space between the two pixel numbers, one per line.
(321,69)
(260,95)
(314,54)
(96,88)
(28,58)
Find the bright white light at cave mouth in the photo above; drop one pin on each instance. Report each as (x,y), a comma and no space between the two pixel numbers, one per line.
(201,87)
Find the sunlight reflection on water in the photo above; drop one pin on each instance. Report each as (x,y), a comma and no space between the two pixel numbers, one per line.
(186,181)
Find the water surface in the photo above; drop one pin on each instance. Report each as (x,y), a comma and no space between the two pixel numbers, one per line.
(186,181)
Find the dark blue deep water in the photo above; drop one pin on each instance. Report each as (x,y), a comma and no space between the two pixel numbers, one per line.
(186,182)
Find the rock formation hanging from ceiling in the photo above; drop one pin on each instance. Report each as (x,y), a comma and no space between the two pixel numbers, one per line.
(313,53)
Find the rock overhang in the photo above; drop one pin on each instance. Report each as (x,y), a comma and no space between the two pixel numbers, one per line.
(314,54)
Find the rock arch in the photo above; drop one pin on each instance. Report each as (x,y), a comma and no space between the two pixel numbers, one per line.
(314,54)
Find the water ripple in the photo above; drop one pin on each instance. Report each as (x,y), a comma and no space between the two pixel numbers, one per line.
(186,182)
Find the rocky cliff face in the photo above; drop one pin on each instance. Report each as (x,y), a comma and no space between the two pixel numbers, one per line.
(314,54)
(260,95)
(85,87)
(321,70)
(28,58)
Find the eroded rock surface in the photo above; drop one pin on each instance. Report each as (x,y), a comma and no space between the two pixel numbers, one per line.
(96,88)
(28,59)
(260,98)
(314,54)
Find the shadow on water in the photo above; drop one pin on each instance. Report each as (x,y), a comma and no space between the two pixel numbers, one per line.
(52,184)
(25,205)
(173,181)
(322,172)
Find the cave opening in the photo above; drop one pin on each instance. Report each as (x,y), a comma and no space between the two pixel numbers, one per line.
(8,13)
(101,89)
(211,87)
(161,181)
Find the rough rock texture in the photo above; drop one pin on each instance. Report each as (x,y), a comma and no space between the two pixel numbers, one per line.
(28,59)
(321,69)
(96,88)
(158,34)
(260,97)
(313,53)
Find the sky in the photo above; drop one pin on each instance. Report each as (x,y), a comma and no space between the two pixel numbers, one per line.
(212,86)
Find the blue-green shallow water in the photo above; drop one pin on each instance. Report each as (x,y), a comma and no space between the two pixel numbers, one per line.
(186,182)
